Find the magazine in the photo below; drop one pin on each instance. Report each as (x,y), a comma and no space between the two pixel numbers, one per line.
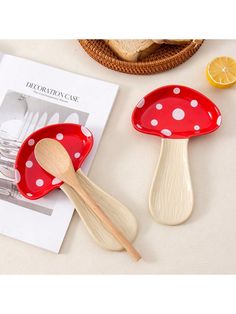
(32,96)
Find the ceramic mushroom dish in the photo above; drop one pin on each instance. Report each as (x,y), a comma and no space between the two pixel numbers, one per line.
(32,181)
(174,113)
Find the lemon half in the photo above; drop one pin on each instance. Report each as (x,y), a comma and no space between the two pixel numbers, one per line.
(221,72)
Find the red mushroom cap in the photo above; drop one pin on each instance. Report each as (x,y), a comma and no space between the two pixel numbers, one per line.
(176,112)
(34,182)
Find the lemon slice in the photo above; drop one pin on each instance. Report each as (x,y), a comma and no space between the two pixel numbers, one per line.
(221,72)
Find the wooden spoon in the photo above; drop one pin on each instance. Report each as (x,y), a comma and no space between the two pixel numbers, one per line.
(53,158)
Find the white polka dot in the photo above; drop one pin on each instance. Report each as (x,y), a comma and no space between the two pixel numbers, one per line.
(219,119)
(176,90)
(31,142)
(39,182)
(17,176)
(178,114)
(141,103)
(166,132)
(154,122)
(29,164)
(196,127)
(194,103)
(59,136)
(29,194)
(77,155)
(159,106)
(138,126)
(55,181)
(85,131)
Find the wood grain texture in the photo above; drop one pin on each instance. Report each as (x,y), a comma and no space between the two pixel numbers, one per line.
(120,215)
(171,195)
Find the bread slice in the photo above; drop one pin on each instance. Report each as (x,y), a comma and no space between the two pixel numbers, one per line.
(137,49)
(133,50)
(175,41)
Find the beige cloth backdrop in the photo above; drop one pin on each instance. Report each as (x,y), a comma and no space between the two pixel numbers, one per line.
(124,166)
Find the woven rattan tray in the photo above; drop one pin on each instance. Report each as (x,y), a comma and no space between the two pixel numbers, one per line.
(166,57)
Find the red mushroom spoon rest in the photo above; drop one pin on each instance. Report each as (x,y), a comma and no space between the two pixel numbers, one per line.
(34,182)
(175,113)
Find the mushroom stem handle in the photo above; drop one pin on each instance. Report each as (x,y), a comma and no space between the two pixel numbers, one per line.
(171,195)
(107,222)
(119,214)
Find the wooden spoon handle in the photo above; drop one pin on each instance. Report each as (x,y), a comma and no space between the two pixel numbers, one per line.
(107,222)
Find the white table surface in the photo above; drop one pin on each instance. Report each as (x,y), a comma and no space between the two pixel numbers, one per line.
(124,167)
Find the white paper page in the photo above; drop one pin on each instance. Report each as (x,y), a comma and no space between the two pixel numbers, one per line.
(33,95)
